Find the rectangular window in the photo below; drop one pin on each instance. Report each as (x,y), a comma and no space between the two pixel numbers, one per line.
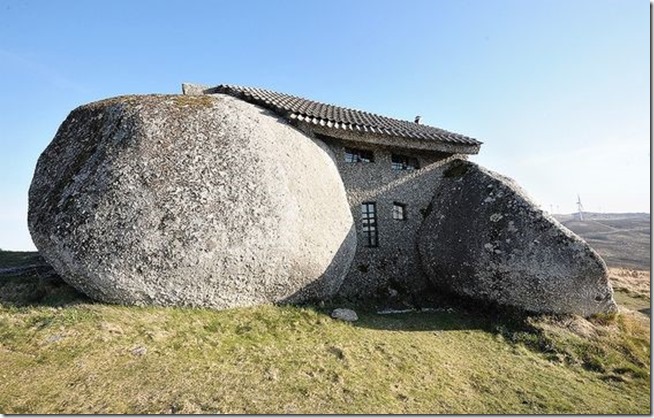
(402,162)
(369,224)
(358,156)
(399,211)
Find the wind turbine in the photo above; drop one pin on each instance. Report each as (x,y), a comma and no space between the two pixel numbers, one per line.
(580,208)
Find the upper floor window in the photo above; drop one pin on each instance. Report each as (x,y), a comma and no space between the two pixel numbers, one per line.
(402,162)
(369,224)
(399,211)
(358,156)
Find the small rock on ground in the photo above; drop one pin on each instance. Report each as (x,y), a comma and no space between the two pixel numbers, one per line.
(139,351)
(345,314)
(54,338)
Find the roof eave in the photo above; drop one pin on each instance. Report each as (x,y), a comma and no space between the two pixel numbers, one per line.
(391,140)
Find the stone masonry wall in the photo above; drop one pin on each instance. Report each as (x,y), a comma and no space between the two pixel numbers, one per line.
(395,263)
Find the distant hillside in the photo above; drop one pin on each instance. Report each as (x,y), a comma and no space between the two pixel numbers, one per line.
(622,239)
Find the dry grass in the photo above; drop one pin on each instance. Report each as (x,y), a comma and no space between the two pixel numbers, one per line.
(634,282)
(631,289)
(60,353)
(93,358)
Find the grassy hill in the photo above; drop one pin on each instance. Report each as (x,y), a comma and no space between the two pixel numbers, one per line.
(62,353)
(622,239)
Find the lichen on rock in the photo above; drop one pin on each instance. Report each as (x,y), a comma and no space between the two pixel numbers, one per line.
(486,239)
(190,201)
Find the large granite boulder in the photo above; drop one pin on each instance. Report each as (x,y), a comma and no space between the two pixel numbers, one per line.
(484,238)
(190,200)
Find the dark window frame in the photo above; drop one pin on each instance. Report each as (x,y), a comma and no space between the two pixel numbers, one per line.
(369,224)
(399,211)
(404,162)
(355,155)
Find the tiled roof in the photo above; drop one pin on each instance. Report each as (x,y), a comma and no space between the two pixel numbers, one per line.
(340,118)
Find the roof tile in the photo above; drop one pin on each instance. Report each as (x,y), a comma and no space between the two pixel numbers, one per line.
(340,117)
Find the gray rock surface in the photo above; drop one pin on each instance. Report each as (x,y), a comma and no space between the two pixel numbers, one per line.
(345,314)
(190,201)
(484,238)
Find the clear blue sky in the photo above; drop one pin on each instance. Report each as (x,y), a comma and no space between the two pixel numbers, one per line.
(557,90)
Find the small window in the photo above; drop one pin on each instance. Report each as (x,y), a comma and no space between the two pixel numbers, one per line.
(369,224)
(399,211)
(358,156)
(402,162)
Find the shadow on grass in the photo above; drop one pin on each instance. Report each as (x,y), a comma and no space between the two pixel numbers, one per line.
(26,280)
(421,321)
(431,311)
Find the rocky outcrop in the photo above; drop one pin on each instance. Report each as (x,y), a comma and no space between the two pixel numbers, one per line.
(484,238)
(190,200)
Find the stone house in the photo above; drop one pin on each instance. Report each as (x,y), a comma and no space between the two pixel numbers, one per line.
(232,196)
(389,168)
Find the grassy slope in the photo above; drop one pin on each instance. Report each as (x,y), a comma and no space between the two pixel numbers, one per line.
(631,289)
(62,354)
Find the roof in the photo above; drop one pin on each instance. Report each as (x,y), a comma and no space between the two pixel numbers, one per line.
(336,118)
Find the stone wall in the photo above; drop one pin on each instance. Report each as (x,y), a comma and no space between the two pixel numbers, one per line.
(395,263)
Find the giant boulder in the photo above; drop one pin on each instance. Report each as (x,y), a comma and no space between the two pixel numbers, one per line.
(190,201)
(484,238)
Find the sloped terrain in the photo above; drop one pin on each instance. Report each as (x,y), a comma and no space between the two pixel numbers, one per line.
(62,353)
(623,240)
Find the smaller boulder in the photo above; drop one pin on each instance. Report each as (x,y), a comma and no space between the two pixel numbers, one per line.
(484,238)
(345,314)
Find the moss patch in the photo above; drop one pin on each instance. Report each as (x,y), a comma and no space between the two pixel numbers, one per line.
(192,101)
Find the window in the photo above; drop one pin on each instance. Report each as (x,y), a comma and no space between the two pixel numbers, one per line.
(402,162)
(369,223)
(358,156)
(399,211)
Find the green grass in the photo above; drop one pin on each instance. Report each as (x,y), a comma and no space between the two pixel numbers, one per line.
(631,301)
(64,354)
(632,289)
